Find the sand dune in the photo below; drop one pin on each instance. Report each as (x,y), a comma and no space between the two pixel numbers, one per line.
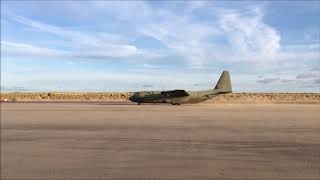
(305,98)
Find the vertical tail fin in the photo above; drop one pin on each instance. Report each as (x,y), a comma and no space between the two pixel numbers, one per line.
(224,83)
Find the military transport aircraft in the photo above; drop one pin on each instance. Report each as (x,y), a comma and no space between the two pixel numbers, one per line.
(178,97)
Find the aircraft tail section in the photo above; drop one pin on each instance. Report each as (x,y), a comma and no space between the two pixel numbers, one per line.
(224,83)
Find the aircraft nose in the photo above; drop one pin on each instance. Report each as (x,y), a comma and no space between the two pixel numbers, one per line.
(131,98)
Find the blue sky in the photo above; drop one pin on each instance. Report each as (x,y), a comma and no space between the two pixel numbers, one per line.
(271,46)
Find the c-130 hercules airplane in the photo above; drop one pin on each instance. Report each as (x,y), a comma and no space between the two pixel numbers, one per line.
(178,97)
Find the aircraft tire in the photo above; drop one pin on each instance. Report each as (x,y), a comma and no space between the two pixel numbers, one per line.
(177,104)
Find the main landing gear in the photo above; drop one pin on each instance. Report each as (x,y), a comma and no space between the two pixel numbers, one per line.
(177,104)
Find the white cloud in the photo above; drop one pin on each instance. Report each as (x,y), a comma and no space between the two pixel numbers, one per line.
(194,5)
(22,49)
(182,36)
(14,49)
(306,76)
(221,37)
(83,45)
(249,38)
(268,80)
(248,34)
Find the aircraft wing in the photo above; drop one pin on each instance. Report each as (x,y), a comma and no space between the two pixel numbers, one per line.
(175,93)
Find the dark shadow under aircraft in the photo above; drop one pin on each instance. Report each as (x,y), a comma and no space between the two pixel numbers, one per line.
(178,97)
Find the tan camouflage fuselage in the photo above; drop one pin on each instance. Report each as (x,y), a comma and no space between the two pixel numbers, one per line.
(178,97)
(157,97)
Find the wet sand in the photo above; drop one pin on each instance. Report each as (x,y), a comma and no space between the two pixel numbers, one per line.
(126,141)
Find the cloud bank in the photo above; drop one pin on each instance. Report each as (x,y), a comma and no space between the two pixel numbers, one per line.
(139,38)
